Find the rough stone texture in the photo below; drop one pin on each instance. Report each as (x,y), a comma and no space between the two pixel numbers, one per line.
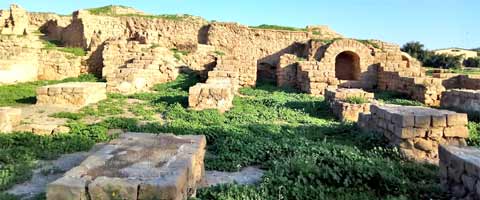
(344,110)
(461,100)
(136,166)
(77,94)
(460,171)
(14,67)
(153,66)
(287,71)
(416,131)
(57,65)
(14,21)
(218,95)
(9,117)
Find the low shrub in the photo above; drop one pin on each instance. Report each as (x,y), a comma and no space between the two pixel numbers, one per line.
(356,100)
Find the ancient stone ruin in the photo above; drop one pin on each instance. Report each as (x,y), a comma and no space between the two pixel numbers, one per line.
(73,94)
(136,166)
(9,117)
(338,99)
(416,131)
(459,171)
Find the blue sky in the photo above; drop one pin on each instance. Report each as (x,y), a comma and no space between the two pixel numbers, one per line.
(435,23)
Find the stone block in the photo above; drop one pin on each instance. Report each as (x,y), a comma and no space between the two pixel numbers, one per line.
(77,94)
(457,119)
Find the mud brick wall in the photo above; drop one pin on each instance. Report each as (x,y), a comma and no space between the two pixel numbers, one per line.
(9,117)
(461,100)
(459,171)
(416,131)
(337,100)
(71,94)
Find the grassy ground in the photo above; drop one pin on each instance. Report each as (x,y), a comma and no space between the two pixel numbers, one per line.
(396,98)
(466,71)
(58,46)
(306,153)
(24,93)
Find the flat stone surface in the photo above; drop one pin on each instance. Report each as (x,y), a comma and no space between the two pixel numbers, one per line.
(151,163)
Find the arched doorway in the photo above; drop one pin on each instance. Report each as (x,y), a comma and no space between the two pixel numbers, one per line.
(347,66)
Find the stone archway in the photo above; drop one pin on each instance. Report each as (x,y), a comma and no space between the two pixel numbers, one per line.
(347,66)
(406,60)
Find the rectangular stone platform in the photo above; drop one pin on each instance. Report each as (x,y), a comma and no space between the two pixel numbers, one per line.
(416,131)
(136,166)
(461,100)
(214,95)
(337,99)
(77,94)
(460,171)
(9,117)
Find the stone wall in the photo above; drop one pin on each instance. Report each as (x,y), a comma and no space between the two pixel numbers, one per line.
(253,47)
(416,131)
(313,78)
(9,117)
(424,89)
(14,21)
(57,65)
(287,71)
(76,94)
(461,100)
(338,100)
(19,60)
(459,171)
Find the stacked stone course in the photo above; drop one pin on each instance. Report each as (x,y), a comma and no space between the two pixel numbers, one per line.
(460,171)
(14,21)
(136,166)
(461,100)
(76,94)
(344,110)
(416,131)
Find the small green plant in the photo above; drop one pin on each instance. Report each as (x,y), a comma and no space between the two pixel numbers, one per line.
(326,41)
(369,42)
(67,115)
(396,98)
(178,54)
(109,11)
(277,27)
(356,100)
(219,53)
(58,45)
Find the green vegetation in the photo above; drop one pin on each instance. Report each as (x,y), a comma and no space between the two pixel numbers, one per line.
(277,27)
(396,98)
(429,58)
(472,62)
(24,93)
(58,45)
(109,11)
(369,42)
(325,41)
(356,100)
(465,71)
(178,54)
(219,53)
(306,152)
(67,115)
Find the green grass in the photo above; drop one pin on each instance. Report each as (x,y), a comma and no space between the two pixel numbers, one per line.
(369,42)
(357,100)
(465,71)
(57,45)
(24,93)
(277,27)
(108,11)
(389,97)
(306,152)
(219,53)
(178,54)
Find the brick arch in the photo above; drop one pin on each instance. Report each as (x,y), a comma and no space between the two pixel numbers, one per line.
(347,66)
(347,45)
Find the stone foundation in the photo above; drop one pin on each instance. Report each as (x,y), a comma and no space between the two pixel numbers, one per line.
(417,131)
(136,166)
(214,95)
(344,110)
(459,171)
(9,117)
(461,100)
(77,94)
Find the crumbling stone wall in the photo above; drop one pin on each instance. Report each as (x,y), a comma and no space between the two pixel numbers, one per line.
(461,100)
(57,65)
(416,131)
(459,167)
(313,78)
(344,110)
(257,45)
(18,59)
(14,21)
(287,71)
(77,94)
